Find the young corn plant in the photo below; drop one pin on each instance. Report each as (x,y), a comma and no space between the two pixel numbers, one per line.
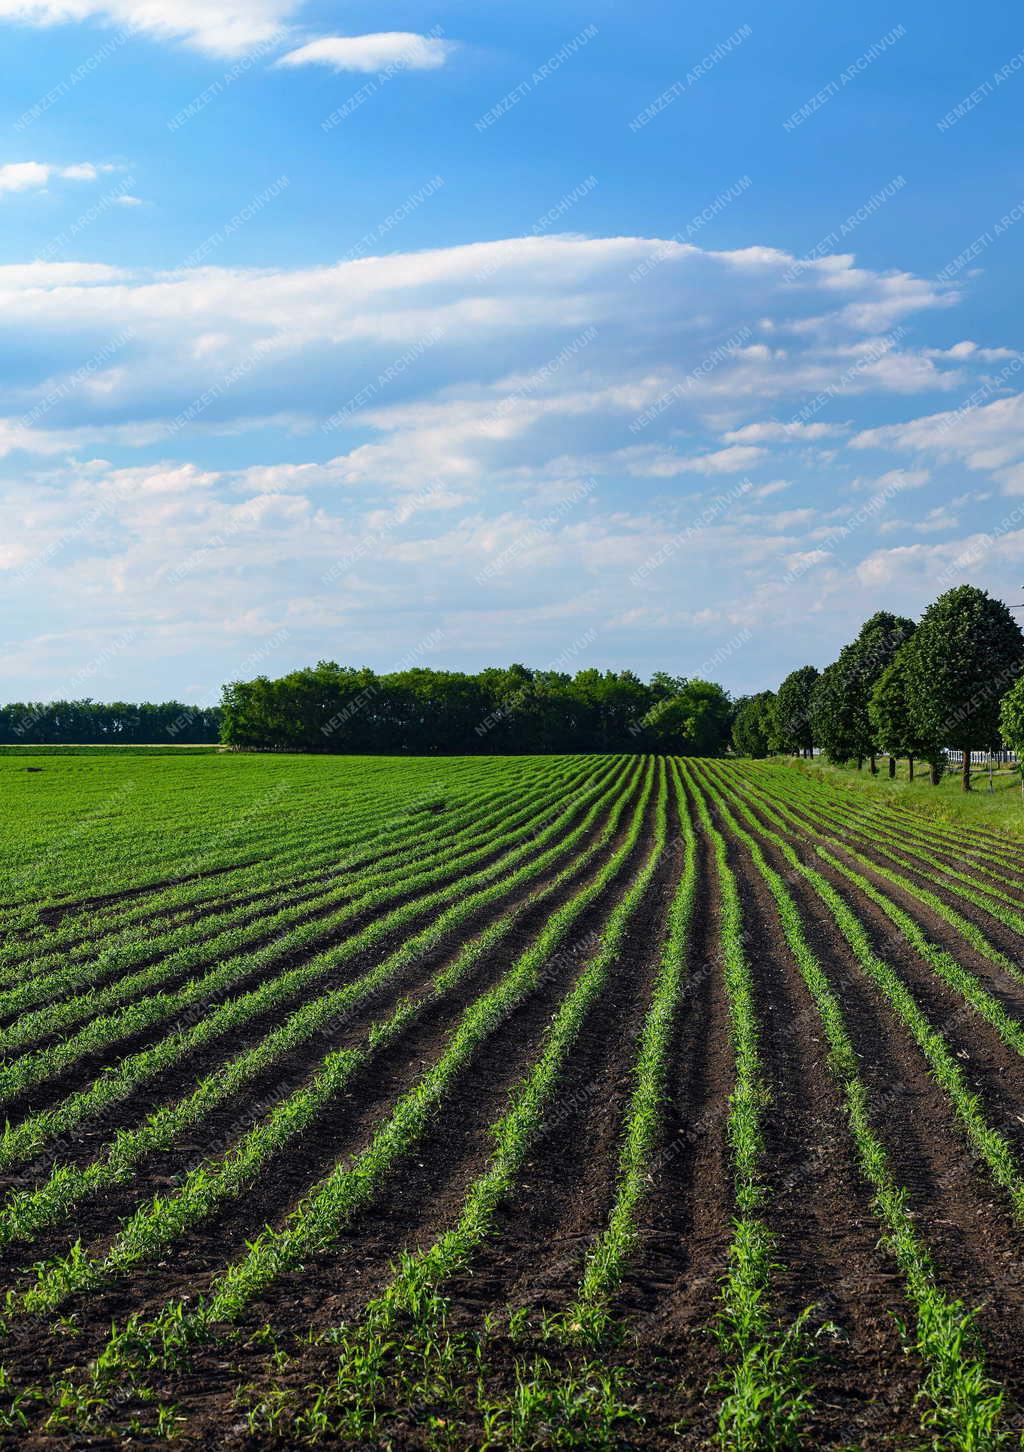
(963,1406)
(766,1396)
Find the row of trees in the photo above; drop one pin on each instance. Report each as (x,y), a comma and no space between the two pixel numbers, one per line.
(955,679)
(92,723)
(423,712)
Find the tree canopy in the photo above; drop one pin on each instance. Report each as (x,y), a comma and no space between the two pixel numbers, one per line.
(93,723)
(889,710)
(330,707)
(754,728)
(963,658)
(793,709)
(840,721)
(1011,720)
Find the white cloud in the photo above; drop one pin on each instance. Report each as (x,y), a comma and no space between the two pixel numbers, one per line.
(936,521)
(549,370)
(399,48)
(33,176)
(27,276)
(23,176)
(220,27)
(666,464)
(968,351)
(893,481)
(408,345)
(983,436)
(950,562)
(773,432)
(774,486)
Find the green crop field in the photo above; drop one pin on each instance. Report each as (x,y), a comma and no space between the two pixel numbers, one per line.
(594,1101)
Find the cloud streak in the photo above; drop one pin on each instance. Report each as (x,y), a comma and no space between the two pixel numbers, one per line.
(218,27)
(369,53)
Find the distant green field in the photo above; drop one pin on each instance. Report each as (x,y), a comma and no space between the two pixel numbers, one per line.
(156,750)
(101,821)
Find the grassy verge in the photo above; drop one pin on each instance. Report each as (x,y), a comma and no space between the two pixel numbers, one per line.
(1001,810)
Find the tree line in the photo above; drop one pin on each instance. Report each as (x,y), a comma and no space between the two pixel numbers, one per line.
(514,710)
(92,723)
(902,688)
(954,679)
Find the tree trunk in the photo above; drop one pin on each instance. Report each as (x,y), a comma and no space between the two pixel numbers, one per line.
(860,763)
(874,765)
(910,762)
(892,767)
(936,774)
(966,783)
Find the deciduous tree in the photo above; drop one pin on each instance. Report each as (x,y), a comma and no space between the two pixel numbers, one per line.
(964,656)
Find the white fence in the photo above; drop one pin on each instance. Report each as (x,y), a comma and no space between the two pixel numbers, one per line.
(978,758)
(982,758)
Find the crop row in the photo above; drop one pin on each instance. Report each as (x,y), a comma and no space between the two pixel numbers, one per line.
(322,846)
(179,946)
(211,1182)
(565,844)
(147,822)
(107,1031)
(964,1405)
(817,827)
(316,1221)
(21,1141)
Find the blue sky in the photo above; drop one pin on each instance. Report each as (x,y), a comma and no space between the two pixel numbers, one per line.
(454,334)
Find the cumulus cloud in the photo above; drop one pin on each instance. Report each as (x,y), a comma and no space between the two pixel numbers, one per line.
(982,435)
(33,176)
(893,481)
(520,403)
(773,432)
(402,49)
(491,341)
